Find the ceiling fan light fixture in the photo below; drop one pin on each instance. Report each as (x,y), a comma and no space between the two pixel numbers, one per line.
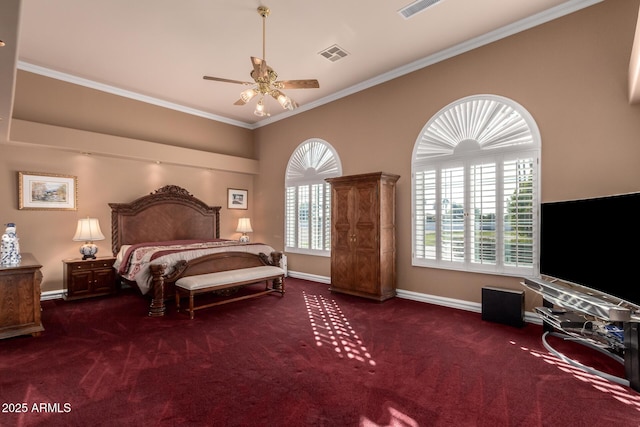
(261,109)
(285,101)
(247,95)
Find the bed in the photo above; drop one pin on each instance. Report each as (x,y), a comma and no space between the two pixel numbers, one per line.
(169,228)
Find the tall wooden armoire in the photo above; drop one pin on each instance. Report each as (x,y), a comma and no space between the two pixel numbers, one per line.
(363,235)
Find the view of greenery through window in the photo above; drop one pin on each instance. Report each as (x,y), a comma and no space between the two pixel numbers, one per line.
(479,228)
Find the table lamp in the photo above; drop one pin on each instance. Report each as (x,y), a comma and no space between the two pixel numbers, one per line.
(88,231)
(244,227)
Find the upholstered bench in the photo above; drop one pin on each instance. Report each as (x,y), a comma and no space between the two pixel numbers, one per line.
(209,282)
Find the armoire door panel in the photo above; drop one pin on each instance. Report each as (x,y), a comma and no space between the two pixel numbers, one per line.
(366,204)
(341,198)
(366,222)
(366,267)
(341,238)
(342,274)
(366,238)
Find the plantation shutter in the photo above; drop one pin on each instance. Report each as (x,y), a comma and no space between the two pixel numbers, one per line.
(308,197)
(482,213)
(475,183)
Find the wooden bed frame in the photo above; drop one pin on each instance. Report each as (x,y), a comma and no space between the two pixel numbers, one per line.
(169,213)
(152,218)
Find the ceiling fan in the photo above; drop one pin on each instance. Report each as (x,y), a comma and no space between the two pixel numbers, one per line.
(265,80)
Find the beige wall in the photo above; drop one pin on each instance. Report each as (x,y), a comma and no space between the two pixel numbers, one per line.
(570,74)
(101,180)
(50,130)
(45,100)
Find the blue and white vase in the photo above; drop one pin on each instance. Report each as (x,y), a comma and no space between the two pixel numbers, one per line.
(10,247)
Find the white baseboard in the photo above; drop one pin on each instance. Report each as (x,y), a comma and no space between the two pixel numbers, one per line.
(312,277)
(474,307)
(401,293)
(49,295)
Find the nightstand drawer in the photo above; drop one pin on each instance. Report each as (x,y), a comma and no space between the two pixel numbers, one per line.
(91,265)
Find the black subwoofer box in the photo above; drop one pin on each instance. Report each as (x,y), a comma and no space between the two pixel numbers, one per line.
(503,306)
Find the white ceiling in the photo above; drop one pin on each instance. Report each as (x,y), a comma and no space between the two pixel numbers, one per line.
(158,50)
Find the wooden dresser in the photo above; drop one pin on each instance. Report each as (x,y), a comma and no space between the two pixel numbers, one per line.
(363,242)
(20,298)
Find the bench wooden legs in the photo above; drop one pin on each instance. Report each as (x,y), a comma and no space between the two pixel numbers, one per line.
(191,308)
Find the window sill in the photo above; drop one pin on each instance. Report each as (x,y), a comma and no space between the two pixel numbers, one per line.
(479,269)
(314,252)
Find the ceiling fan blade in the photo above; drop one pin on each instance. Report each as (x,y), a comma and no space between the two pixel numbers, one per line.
(220,79)
(259,68)
(239,102)
(298,84)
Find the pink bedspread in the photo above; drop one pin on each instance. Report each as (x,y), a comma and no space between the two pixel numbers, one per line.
(133,261)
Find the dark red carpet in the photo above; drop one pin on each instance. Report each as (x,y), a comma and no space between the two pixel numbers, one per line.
(311,358)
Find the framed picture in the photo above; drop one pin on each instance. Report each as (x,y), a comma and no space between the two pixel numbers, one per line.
(41,191)
(237,199)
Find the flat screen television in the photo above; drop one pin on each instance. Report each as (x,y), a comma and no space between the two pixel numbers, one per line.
(594,243)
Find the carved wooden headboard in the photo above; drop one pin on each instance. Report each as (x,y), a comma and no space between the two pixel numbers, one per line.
(169,213)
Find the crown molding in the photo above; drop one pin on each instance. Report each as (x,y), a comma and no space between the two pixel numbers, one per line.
(80,81)
(548,15)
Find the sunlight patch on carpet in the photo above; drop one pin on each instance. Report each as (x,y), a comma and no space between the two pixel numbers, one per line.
(331,328)
(617,391)
(397,419)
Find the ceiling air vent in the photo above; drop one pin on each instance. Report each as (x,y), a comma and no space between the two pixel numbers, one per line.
(415,7)
(334,53)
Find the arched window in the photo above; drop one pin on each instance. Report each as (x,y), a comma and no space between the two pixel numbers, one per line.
(308,197)
(475,170)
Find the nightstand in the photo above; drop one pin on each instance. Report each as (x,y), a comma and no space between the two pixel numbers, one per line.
(89,278)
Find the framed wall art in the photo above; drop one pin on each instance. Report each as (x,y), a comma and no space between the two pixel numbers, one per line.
(42,191)
(237,199)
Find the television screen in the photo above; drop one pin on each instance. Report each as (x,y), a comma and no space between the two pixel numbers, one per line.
(595,243)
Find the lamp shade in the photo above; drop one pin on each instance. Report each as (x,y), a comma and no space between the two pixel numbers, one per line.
(88,230)
(247,95)
(261,109)
(285,101)
(244,226)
